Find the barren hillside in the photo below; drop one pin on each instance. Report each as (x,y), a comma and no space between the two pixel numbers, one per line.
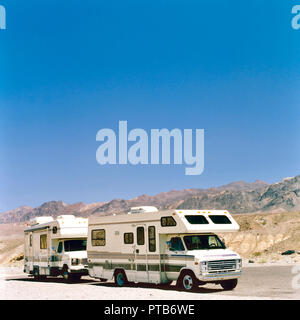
(236,197)
(11,243)
(263,237)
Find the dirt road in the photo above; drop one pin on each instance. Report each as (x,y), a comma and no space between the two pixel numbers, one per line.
(258,282)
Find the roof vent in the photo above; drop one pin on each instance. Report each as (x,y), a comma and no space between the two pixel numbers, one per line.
(40,220)
(142,209)
(66,216)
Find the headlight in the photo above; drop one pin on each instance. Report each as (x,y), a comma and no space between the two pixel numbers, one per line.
(204,266)
(239,264)
(74,261)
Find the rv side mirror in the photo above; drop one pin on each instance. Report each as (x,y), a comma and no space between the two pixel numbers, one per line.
(168,243)
(223,240)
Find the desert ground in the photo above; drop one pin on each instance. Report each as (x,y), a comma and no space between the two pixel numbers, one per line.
(258,282)
(267,274)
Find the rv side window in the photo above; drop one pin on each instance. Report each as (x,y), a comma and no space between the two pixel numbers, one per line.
(203,242)
(167,222)
(128,238)
(196,219)
(30,240)
(220,219)
(98,237)
(75,245)
(140,236)
(152,239)
(60,247)
(43,241)
(176,244)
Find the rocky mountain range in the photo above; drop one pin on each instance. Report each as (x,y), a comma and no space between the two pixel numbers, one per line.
(236,197)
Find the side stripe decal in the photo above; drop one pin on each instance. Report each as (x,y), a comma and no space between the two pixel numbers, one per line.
(140,267)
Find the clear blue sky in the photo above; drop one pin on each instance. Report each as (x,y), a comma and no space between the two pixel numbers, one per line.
(71,68)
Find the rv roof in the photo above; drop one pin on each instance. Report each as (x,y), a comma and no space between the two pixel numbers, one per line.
(64,223)
(185,223)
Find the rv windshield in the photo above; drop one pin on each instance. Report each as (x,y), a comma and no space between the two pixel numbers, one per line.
(75,245)
(203,242)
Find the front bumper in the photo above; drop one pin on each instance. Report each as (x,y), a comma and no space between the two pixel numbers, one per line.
(83,272)
(219,276)
(79,269)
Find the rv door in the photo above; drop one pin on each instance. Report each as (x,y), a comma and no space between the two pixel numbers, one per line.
(140,253)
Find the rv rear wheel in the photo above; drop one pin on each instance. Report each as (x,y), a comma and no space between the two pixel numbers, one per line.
(37,276)
(120,278)
(187,281)
(229,284)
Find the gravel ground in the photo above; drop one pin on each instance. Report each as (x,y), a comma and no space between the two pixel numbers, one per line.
(257,282)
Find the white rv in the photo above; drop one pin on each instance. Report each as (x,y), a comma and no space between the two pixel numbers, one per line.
(56,247)
(163,246)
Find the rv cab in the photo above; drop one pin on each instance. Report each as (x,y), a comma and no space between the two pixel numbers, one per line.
(196,243)
(74,251)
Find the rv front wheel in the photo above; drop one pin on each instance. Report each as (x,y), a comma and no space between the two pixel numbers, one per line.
(120,278)
(67,275)
(187,281)
(229,284)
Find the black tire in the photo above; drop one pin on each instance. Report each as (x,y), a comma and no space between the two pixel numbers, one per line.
(187,281)
(120,278)
(68,276)
(229,284)
(37,276)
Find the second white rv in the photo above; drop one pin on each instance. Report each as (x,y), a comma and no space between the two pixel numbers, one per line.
(56,247)
(147,245)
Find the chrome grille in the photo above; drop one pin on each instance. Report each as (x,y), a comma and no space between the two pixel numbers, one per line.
(221,265)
